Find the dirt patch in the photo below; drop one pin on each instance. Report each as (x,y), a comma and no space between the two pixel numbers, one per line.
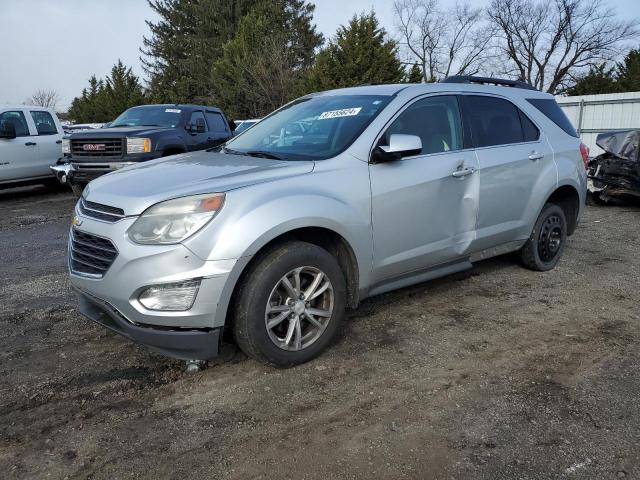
(496,373)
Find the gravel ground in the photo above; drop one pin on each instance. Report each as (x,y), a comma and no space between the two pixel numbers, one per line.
(496,373)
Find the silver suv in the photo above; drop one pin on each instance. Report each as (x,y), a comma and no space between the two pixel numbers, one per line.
(333,198)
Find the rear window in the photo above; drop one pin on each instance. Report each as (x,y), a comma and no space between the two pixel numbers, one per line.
(553,112)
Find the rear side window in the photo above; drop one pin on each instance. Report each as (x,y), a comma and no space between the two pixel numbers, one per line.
(216,122)
(492,121)
(531,132)
(45,125)
(18,121)
(553,112)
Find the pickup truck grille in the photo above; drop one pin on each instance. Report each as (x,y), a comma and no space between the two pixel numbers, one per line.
(97,148)
(89,254)
(99,211)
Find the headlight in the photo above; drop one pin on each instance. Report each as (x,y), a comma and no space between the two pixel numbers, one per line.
(138,145)
(66,145)
(175,220)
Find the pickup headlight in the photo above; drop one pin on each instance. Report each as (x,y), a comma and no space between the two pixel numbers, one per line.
(66,145)
(138,145)
(175,220)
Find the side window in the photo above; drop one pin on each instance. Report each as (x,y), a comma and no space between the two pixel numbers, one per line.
(195,116)
(216,122)
(531,132)
(436,120)
(492,121)
(45,125)
(18,121)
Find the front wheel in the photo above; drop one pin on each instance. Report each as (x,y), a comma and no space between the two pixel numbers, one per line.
(290,305)
(544,247)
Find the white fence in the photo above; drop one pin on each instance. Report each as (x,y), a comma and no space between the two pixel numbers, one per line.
(594,114)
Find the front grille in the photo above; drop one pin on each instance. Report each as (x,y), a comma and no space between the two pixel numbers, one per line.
(100,148)
(89,254)
(99,211)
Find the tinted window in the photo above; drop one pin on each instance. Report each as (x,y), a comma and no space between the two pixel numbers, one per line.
(18,121)
(312,128)
(216,122)
(531,132)
(45,125)
(553,112)
(436,120)
(492,121)
(195,116)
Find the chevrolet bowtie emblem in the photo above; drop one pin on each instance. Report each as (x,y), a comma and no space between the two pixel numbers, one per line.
(76,222)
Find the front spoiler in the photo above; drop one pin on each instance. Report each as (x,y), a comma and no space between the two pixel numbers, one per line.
(183,344)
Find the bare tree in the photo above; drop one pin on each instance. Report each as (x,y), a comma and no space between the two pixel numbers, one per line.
(43,98)
(545,43)
(443,41)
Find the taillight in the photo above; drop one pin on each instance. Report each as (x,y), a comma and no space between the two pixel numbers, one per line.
(584,152)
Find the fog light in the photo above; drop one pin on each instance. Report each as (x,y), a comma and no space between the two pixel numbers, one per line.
(172,297)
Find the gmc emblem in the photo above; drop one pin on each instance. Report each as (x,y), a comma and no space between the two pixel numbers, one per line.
(94,147)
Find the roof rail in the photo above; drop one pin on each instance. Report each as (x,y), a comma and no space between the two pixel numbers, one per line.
(489,80)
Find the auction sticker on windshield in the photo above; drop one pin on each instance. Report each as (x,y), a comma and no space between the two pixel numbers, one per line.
(345,112)
(172,110)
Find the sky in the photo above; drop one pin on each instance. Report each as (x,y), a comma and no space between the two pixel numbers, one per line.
(59,44)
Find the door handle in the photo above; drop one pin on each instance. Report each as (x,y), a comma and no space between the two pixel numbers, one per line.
(59,142)
(534,156)
(30,144)
(463,172)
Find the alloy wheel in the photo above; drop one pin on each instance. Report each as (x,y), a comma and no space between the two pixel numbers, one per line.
(299,308)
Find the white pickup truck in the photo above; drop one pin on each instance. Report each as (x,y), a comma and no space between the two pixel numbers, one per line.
(30,143)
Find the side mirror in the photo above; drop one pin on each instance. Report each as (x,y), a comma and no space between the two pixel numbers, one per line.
(399,146)
(7,130)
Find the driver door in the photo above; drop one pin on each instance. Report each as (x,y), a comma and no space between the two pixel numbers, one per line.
(424,206)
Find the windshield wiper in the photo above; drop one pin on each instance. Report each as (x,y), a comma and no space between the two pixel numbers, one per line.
(226,150)
(264,154)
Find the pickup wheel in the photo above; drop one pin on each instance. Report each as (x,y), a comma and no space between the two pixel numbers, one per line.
(290,305)
(544,247)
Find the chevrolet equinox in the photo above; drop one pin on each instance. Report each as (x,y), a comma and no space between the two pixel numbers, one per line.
(333,198)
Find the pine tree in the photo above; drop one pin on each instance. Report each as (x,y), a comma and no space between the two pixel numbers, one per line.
(105,99)
(262,66)
(414,75)
(628,72)
(184,43)
(600,79)
(359,53)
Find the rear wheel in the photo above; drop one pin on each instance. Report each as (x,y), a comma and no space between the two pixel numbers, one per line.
(545,246)
(290,305)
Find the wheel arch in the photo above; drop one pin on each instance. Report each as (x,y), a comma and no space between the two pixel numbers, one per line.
(567,198)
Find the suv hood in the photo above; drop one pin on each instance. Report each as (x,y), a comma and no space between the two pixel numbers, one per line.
(117,132)
(136,188)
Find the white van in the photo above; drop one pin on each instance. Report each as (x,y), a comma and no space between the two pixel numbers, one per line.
(30,142)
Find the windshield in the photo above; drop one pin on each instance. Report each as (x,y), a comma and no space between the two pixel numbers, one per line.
(149,117)
(315,128)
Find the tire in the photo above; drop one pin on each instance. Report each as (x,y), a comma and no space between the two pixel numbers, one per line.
(546,244)
(293,337)
(77,189)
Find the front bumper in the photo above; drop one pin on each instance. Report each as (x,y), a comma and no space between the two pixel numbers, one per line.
(139,266)
(184,344)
